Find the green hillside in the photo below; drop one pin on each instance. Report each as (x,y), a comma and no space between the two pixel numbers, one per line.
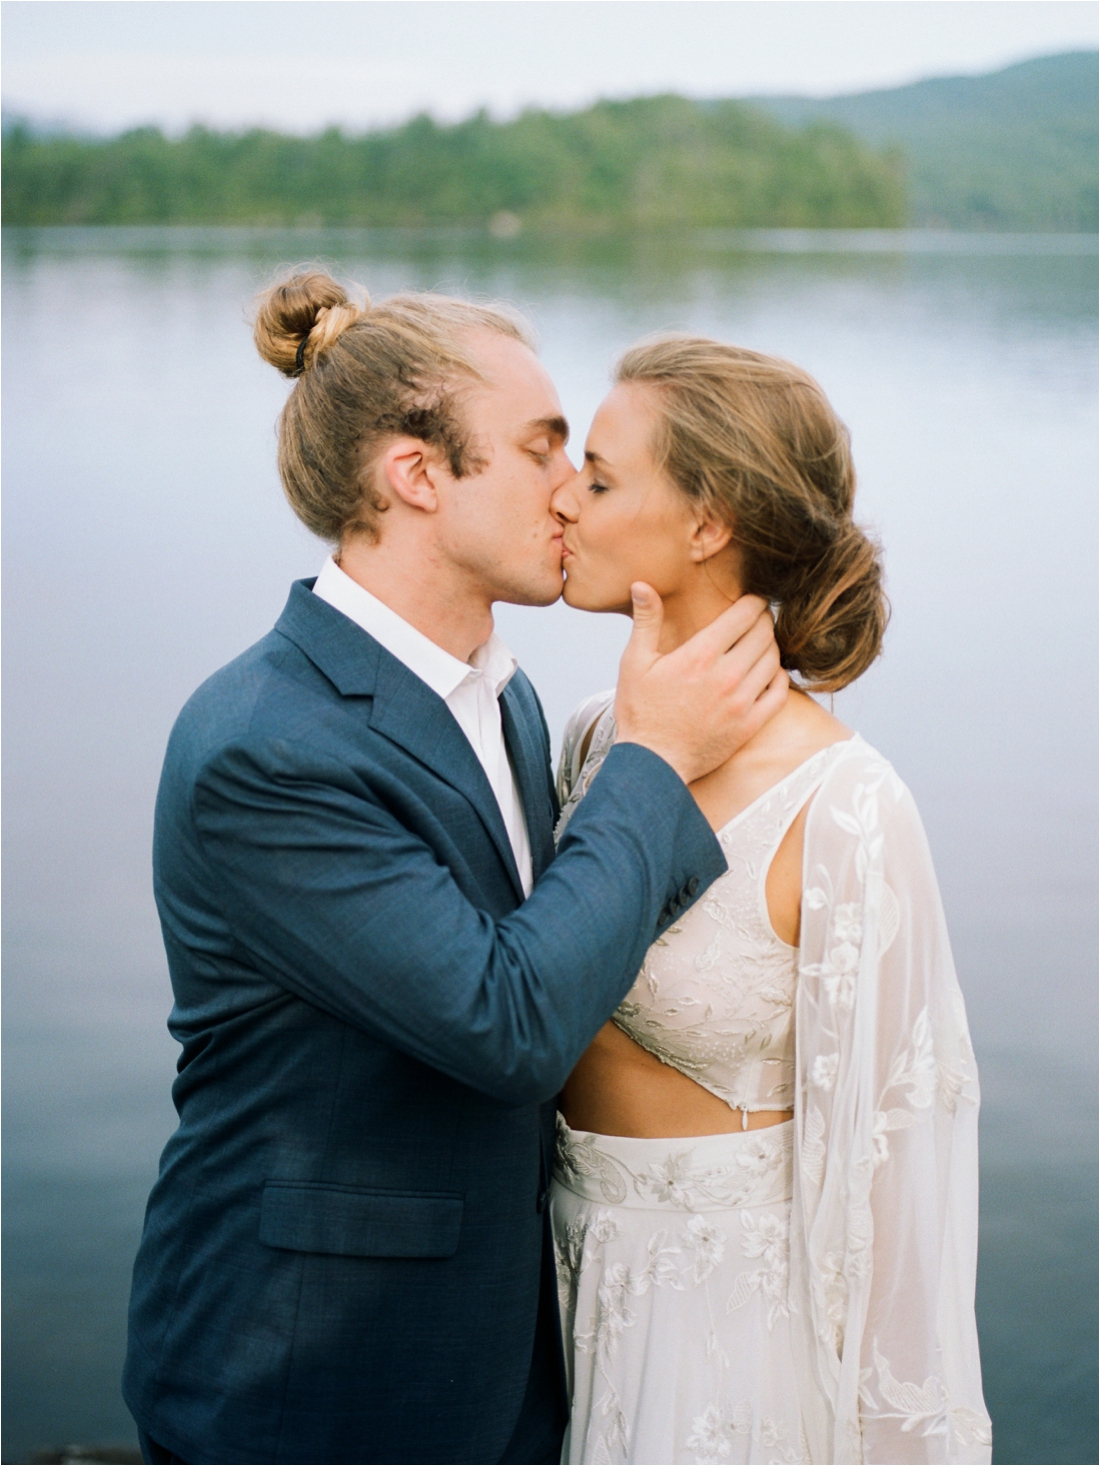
(649,163)
(1014,150)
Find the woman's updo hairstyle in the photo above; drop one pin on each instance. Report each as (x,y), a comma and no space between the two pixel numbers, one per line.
(366,374)
(754,440)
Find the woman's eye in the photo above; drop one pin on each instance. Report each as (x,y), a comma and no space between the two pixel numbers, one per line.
(598,488)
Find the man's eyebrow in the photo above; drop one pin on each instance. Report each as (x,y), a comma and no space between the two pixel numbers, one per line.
(557,427)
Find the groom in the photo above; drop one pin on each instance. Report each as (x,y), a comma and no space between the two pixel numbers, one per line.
(382,974)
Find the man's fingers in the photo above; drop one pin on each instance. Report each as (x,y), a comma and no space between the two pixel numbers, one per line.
(698,704)
(757,642)
(773,697)
(769,701)
(731,625)
(745,685)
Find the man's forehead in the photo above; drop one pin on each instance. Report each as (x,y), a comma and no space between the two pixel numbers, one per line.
(517,386)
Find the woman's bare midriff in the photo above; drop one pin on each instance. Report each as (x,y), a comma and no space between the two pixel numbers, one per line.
(618,1088)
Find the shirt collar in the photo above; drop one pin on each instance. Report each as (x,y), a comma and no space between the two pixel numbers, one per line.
(493,659)
(442,672)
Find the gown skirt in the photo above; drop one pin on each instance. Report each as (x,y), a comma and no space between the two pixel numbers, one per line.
(673,1268)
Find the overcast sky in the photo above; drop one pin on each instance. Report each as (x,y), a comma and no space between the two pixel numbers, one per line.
(300,64)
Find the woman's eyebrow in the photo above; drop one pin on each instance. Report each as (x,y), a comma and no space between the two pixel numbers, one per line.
(599,465)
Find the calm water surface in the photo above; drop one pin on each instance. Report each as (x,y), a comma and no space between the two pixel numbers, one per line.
(147,543)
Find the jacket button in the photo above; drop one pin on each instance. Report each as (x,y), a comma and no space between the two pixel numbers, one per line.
(693,886)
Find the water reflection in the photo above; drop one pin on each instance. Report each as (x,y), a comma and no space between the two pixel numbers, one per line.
(147,542)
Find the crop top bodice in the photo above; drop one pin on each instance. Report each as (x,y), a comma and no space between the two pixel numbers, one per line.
(715,996)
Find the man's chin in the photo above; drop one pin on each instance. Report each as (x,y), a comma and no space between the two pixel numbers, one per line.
(531,595)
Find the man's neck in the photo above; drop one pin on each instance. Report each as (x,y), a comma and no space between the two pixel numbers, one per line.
(440,606)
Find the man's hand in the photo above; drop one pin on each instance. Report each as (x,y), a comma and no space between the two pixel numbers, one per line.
(698,705)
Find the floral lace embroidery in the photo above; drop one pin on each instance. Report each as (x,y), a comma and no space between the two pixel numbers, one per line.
(757,1173)
(885,1078)
(712,1434)
(677,1259)
(715,995)
(583,1159)
(767,1238)
(600,744)
(925,1061)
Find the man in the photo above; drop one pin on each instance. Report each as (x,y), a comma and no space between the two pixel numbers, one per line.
(346,1257)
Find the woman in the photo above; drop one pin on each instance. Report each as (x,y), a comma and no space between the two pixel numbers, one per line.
(765,1202)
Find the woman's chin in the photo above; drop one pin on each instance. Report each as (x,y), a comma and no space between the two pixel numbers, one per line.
(573,595)
(582,598)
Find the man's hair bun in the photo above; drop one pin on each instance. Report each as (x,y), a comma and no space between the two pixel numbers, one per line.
(301,317)
(368,374)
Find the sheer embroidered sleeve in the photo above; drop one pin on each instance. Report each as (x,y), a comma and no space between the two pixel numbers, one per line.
(885,1213)
(589,734)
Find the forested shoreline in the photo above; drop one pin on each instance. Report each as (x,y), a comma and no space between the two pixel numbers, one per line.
(650,163)
(1012,150)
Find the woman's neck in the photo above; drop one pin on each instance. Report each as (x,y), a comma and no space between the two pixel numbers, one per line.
(693,607)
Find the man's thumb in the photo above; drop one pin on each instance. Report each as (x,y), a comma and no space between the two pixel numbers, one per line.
(648,615)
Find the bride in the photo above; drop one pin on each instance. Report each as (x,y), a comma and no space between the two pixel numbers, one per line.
(765,1203)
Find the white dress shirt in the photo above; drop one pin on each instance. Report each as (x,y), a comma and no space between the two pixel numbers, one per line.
(470,689)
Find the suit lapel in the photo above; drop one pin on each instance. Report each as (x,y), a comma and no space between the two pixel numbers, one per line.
(403,708)
(528,755)
(409,713)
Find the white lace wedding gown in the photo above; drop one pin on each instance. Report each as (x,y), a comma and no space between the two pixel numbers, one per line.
(803,1292)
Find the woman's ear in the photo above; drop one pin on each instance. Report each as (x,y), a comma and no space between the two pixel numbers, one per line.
(709,538)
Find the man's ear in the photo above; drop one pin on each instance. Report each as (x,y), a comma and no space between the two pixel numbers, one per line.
(708,538)
(409,470)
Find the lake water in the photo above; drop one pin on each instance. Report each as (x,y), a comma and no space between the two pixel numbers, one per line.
(147,542)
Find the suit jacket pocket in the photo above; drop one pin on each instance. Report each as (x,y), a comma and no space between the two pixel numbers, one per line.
(356,1221)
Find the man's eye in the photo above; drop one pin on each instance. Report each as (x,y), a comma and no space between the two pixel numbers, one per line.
(542,454)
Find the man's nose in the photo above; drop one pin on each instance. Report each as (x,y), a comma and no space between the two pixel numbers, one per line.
(563,501)
(563,469)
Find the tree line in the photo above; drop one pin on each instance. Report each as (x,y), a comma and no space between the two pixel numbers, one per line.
(651,163)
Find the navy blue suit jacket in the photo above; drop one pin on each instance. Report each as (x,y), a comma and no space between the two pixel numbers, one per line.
(341,1256)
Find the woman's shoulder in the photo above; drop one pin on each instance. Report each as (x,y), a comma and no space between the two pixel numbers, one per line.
(581,730)
(857,762)
(862,794)
(585,716)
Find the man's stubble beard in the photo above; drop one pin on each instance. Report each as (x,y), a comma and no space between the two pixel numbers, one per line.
(526,591)
(527,598)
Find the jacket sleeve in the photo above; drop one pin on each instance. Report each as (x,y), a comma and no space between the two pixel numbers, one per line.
(885,1212)
(331,896)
